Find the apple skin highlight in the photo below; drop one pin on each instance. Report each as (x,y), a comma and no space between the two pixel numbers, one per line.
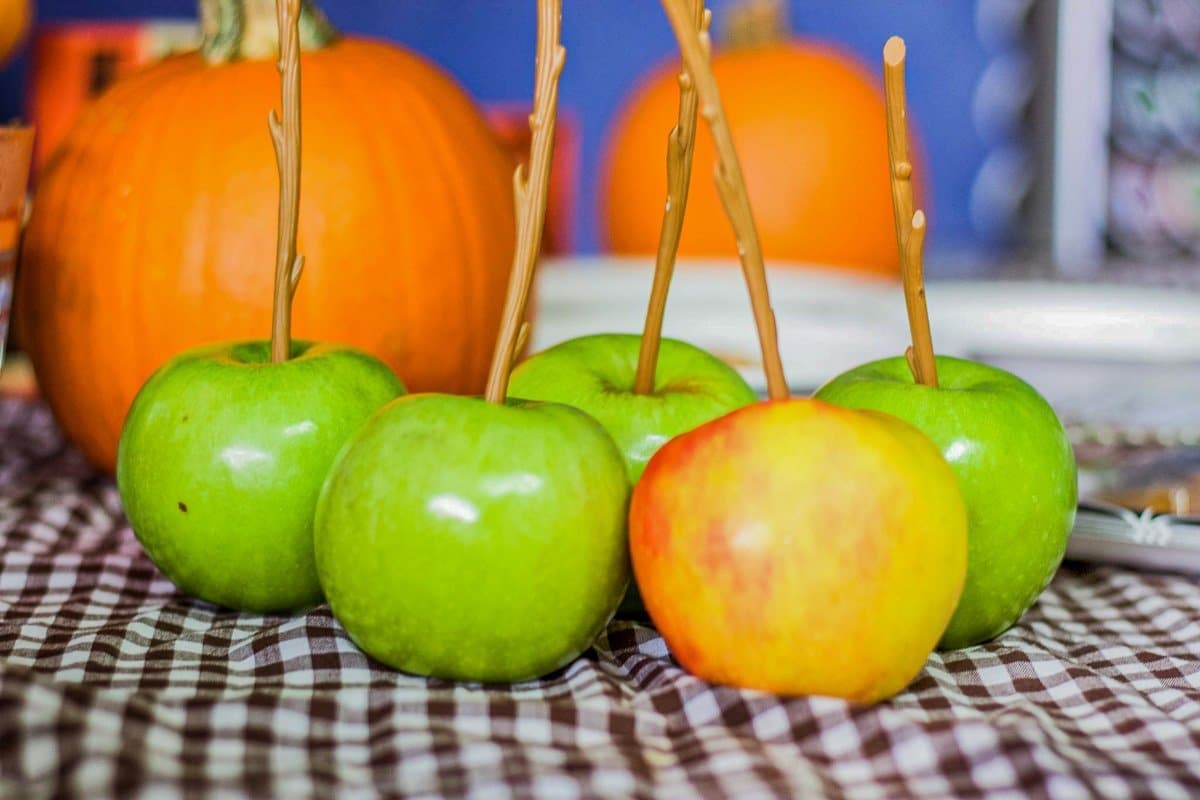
(799,548)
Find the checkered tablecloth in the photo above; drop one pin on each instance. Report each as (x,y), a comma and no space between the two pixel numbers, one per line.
(113,684)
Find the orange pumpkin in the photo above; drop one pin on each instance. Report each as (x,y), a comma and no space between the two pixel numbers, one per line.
(15,16)
(810,126)
(153,227)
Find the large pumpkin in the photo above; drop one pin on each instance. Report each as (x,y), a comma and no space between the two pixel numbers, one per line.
(153,227)
(810,126)
(15,16)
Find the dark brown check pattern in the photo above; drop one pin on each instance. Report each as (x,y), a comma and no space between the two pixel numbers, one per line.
(113,684)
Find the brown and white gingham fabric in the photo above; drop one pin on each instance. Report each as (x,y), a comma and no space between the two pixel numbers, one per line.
(113,684)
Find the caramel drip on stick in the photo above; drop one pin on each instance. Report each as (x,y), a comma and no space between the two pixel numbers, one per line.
(286,137)
(695,47)
(531,184)
(681,146)
(910,226)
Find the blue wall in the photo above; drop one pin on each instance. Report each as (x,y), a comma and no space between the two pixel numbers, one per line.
(489,45)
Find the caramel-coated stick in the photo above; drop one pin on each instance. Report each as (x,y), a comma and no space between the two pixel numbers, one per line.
(681,146)
(731,185)
(285,135)
(531,184)
(910,227)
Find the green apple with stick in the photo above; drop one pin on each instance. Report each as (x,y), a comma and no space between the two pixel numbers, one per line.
(1009,450)
(473,538)
(226,447)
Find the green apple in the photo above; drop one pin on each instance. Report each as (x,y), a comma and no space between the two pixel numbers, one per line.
(222,458)
(475,541)
(1015,467)
(595,374)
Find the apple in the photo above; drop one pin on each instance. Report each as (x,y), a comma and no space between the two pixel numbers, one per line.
(222,458)
(1014,463)
(800,548)
(472,540)
(595,374)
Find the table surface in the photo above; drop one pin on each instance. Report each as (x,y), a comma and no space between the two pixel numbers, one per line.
(112,683)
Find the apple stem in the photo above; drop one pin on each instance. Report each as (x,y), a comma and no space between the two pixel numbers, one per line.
(285,136)
(910,226)
(531,185)
(695,46)
(681,146)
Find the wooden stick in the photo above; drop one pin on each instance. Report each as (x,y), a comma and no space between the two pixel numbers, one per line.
(920,354)
(695,47)
(286,137)
(522,339)
(897,137)
(681,146)
(910,226)
(531,184)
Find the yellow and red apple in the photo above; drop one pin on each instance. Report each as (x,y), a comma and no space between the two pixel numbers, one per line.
(801,548)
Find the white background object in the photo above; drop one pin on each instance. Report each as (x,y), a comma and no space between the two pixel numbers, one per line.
(1082,92)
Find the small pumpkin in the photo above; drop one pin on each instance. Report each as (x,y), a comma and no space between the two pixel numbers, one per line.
(154,223)
(15,19)
(810,124)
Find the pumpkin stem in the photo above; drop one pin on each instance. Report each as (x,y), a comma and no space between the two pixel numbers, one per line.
(247,29)
(755,23)
(286,137)
(531,185)
(696,47)
(681,145)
